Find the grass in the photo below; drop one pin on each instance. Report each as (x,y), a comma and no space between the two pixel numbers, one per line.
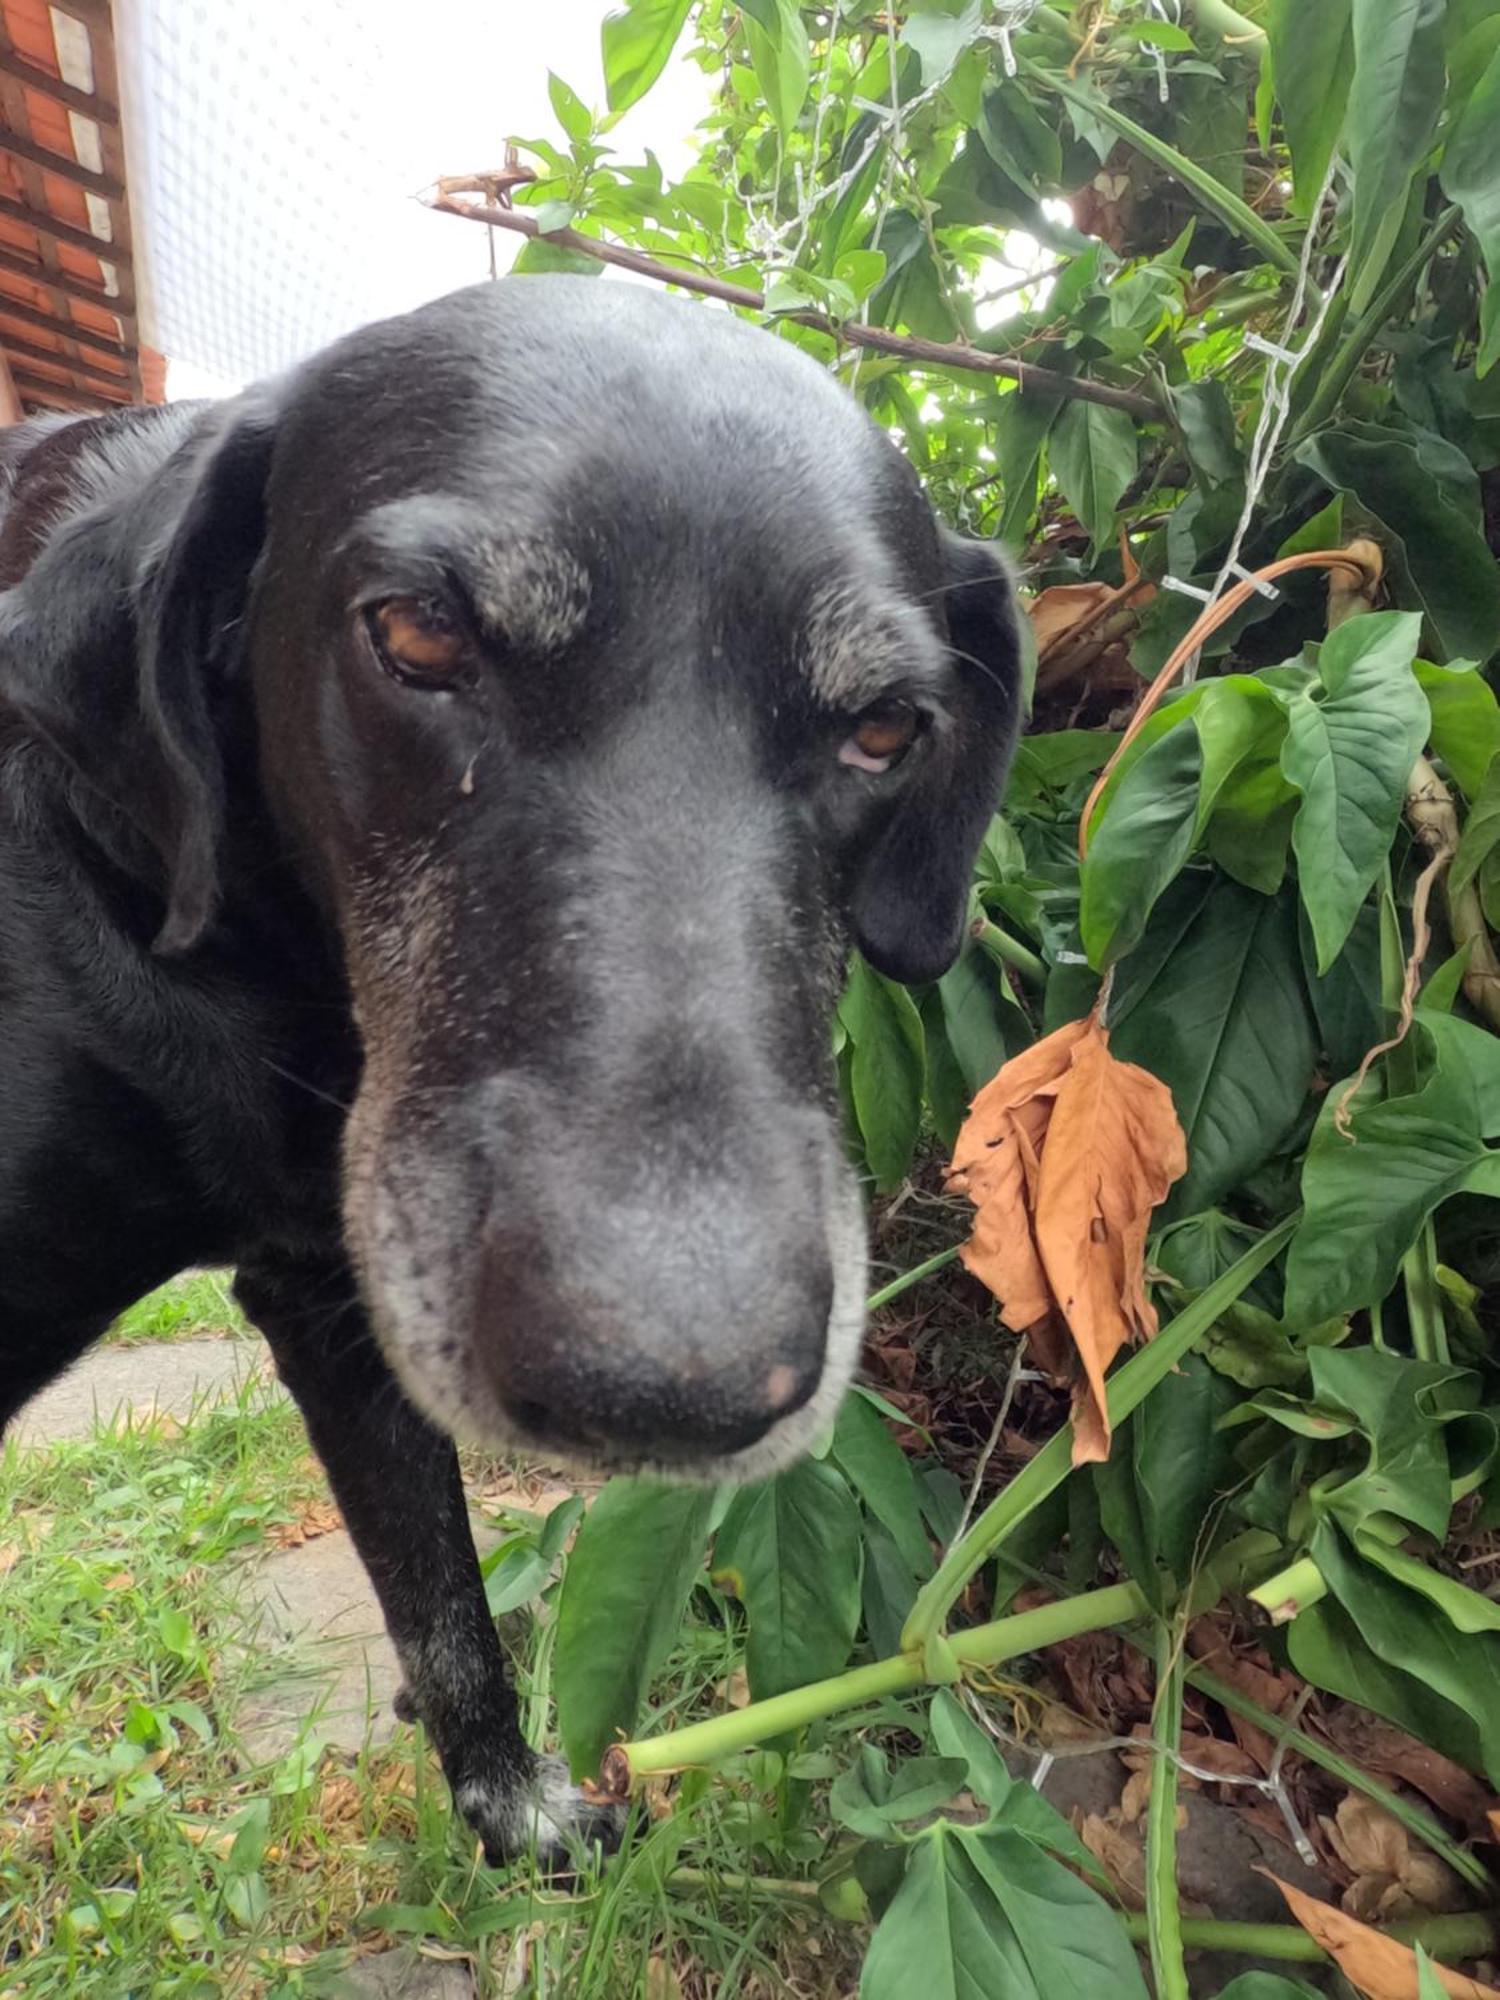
(141,1855)
(194,1306)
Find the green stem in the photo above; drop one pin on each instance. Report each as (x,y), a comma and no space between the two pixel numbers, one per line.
(909,1278)
(1412,1817)
(1452,1939)
(1424,1298)
(1226,22)
(981,1646)
(1042,1475)
(1291,1590)
(1000,944)
(1163,1907)
(1341,370)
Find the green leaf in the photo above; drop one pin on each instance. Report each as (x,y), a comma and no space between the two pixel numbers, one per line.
(1326,1647)
(1181,1463)
(637,41)
(1011,1801)
(982,1019)
(1398,1404)
(1435,543)
(1465,729)
(550,216)
(1409,1636)
(1266,1986)
(1350,754)
(1018,431)
(791,1549)
(1394,104)
(1093,454)
(880,1472)
(1470,178)
(1429,1986)
(1206,420)
(1366,1197)
(1346,999)
(886,1070)
(1481,830)
(781,56)
(1214,1003)
(637,1556)
(940,39)
(1312,55)
(982,1912)
(871,1799)
(569,109)
(1140,844)
(1461,1606)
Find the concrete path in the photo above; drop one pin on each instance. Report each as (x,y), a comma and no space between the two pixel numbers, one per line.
(115,1383)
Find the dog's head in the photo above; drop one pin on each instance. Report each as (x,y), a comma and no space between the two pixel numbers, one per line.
(610,676)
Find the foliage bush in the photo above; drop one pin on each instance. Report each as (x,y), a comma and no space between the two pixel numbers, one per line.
(1265,323)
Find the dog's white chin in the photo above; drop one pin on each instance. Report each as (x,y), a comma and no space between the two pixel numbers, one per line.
(438,1375)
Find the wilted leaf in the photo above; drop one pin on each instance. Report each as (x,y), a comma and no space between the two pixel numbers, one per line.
(1065,1155)
(1380,1967)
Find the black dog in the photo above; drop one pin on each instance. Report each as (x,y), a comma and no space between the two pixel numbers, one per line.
(437,794)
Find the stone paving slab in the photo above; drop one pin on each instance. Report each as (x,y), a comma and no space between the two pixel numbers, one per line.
(114,1383)
(404,1974)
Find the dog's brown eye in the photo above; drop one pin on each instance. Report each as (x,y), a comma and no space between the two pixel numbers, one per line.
(880,737)
(418,641)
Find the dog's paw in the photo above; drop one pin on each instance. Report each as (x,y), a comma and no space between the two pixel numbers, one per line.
(547,1816)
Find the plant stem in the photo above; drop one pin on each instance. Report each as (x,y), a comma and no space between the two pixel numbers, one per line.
(909,1278)
(1224,21)
(981,1646)
(1340,371)
(1424,1298)
(1046,1472)
(1450,1938)
(1291,1590)
(1412,1817)
(1000,944)
(1163,1908)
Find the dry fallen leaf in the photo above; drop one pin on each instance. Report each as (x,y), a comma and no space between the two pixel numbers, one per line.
(1064,1154)
(1056,612)
(1381,1967)
(1392,1878)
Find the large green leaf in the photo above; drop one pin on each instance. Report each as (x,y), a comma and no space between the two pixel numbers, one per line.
(880,1472)
(1213,1001)
(1012,1801)
(1394,104)
(790,1550)
(1465,730)
(982,1914)
(886,1069)
(1266,1985)
(982,1019)
(1018,431)
(1140,844)
(1402,1407)
(1365,1197)
(1092,451)
(940,39)
(1471,177)
(1408,1634)
(1346,999)
(1312,57)
(637,41)
(637,1554)
(1349,752)
(1326,1646)
(783,60)
(1481,829)
(1436,542)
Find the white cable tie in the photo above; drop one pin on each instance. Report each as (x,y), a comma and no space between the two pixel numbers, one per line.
(1043,1770)
(1007,53)
(1262,584)
(1163,88)
(1187,589)
(1069,958)
(1259,345)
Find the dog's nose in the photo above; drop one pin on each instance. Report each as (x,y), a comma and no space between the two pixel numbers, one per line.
(653,1412)
(673,1379)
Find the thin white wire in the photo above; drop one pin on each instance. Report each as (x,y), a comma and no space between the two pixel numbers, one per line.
(1281,370)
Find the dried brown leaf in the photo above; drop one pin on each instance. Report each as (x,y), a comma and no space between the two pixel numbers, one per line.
(1064,1155)
(1381,1967)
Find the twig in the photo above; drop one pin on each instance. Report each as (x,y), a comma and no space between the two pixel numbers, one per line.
(905,347)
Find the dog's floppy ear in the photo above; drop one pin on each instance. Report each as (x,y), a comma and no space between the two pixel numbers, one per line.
(118,649)
(911,896)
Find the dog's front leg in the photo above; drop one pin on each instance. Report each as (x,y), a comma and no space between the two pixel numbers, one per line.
(396,1479)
